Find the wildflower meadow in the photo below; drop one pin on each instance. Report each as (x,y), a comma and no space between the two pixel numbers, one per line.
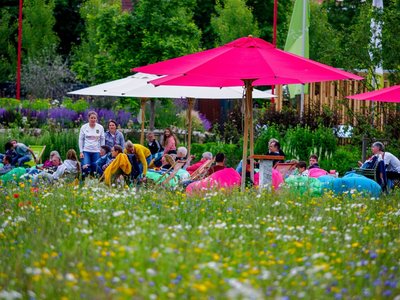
(93,242)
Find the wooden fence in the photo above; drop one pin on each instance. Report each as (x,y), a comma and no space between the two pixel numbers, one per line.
(332,95)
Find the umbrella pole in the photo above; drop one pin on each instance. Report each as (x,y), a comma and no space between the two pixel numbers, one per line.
(142,107)
(247,84)
(189,118)
(251,129)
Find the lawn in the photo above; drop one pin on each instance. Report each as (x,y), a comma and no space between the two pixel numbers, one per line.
(97,243)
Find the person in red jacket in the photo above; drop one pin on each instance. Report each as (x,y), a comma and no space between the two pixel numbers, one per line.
(205,157)
(219,164)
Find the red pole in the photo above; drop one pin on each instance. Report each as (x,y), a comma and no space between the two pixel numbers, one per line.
(275,22)
(19,50)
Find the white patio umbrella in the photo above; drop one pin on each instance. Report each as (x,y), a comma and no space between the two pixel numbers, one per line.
(138,85)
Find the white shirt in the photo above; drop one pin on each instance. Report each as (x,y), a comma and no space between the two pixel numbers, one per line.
(90,139)
(392,162)
(70,166)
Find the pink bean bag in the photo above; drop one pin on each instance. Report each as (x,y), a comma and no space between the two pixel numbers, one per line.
(277,179)
(225,178)
(317,172)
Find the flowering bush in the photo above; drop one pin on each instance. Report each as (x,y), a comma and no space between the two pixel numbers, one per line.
(157,244)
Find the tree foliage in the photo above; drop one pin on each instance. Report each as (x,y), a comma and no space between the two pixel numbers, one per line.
(7,50)
(203,11)
(263,12)
(340,35)
(68,25)
(233,20)
(324,39)
(115,41)
(165,29)
(38,26)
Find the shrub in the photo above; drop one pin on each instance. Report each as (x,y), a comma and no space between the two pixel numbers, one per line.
(37,104)
(300,142)
(78,106)
(182,120)
(9,103)
(261,143)
(232,152)
(344,159)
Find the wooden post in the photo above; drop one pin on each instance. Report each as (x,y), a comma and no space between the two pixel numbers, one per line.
(251,129)
(143,107)
(249,96)
(189,118)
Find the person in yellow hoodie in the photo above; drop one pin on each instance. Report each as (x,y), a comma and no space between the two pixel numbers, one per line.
(143,156)
(120,165)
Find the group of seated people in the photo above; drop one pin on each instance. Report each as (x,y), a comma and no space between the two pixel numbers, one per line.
(137,163)
(51,170)
(134,162)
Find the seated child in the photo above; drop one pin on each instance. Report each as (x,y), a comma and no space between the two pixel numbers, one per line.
(7,167)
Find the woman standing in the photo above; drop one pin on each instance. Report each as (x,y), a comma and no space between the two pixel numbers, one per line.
(91,138)
(114,136)
(170,142)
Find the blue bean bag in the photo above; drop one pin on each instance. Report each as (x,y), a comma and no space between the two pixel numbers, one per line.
(349,183)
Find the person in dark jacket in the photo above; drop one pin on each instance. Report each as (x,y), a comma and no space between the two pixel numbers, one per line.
(154,145)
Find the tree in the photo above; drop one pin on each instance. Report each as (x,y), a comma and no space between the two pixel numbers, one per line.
(8,55)
(115,41)
(233,20)
(164,29)
(38,26)
(108,44)
(203,11)
(264,13)
(390,40)
(324,39)
(68,24)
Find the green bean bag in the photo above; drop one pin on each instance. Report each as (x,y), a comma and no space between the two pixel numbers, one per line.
(304,184)
(13,175)
(180,175)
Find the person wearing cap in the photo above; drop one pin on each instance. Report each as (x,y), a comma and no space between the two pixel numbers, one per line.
(205,157)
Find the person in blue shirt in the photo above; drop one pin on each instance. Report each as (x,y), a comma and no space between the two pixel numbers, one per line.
(104,160)
(7,167)
(113,135)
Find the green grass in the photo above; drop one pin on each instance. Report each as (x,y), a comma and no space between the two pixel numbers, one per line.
(99,243)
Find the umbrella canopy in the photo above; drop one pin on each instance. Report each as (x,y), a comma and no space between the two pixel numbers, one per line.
(245,58)
(138,85)
(390,94)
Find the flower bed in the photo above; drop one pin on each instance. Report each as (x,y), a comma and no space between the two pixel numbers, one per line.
(95,243)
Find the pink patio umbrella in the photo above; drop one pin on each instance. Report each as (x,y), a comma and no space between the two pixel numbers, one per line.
(389,94)
(246,61)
